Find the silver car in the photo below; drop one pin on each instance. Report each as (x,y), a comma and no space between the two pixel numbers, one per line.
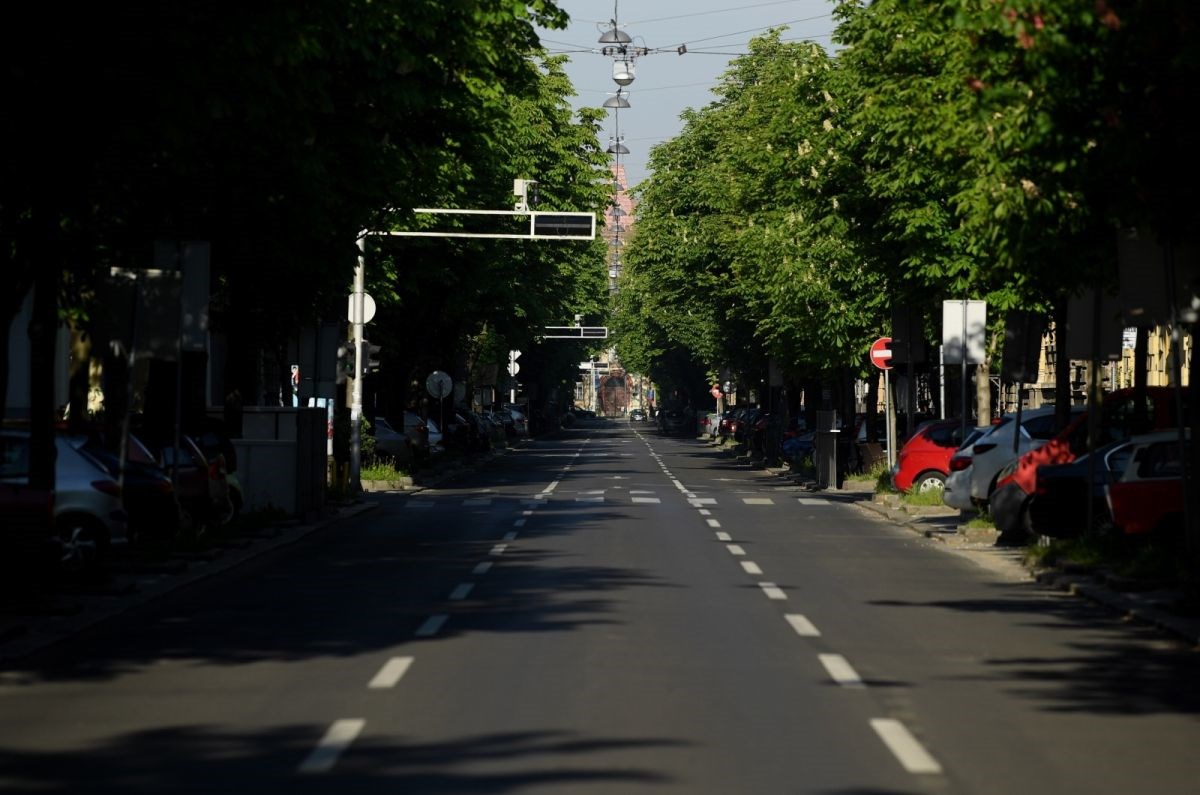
(88,515)
(994,450)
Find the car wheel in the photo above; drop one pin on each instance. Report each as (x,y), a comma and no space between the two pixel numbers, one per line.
(82,545)
(929,481)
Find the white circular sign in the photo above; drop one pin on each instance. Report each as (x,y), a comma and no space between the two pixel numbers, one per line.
(439,384)
(368,309)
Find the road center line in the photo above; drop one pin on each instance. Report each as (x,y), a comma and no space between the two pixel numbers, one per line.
(908,750)
(840,670)
(751,567)
(391,673)
(432,625)
(336,740)
(802,625)
(462,591)
(772,590)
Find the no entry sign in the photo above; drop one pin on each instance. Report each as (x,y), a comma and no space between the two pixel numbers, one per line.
(881,353)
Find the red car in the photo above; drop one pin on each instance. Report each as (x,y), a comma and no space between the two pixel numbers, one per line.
(924,460)
(1148,497)
(1118,420)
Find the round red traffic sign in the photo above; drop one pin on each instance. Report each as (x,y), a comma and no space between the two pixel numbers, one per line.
(881,353)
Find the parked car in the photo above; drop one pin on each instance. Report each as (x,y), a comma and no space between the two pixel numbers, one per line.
(995,449)
(88,515)
(520,419)
(1148,497)
(676,422)
(956,491)
(414,439)
(147,493)
(923,463)
(28,516)
(637,415)
(1119,419)
(1059,506)
(200,483)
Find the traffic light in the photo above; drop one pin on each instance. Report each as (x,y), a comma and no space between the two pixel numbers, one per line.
(345,362)
(370,357)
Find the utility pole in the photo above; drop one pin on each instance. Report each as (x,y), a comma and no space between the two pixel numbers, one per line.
(358,306)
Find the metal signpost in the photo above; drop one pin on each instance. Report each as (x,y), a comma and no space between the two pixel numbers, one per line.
(881,357)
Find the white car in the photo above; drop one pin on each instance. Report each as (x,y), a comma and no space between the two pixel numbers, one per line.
(956,492)
(994,450)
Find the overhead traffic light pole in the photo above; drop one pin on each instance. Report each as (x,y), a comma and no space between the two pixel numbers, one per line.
(542,226)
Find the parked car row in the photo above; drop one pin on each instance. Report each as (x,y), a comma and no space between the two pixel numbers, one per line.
(104,498)
(422,437)
(1036,479)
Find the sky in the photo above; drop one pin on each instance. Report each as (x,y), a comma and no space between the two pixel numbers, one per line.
(714,32)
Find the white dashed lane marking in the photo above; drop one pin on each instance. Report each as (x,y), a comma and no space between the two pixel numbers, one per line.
(772,590)
(840,670)
(432,625)
(482,568)
(724,537)
(758,500)
(339,737)
(735,549)
(751,567)
(391,673)
(696,502)
(907,749)
(802,625)
(646,501)
(713,522)
(461,592)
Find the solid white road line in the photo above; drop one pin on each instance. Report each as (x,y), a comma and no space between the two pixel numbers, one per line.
(432,625)
(511,535)
(550,488)
(713,522)
(840,670)
(336,740)
(391,673)
(772,590)
(751,567)
(735,549)
(482,568)
(462,591)
(908,750)
(724,537)
(802,625)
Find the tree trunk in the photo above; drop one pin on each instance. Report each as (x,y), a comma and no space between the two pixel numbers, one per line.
(983,393)
(43,329)
(80,377)
(1062,366)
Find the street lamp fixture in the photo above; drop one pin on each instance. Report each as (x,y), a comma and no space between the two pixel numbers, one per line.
(623,72)
(617,101)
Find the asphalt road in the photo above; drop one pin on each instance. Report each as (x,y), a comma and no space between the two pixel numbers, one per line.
(610,612)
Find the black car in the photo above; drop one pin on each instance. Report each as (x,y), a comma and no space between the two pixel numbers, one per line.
(637,415)
(676,422)
(1059,506)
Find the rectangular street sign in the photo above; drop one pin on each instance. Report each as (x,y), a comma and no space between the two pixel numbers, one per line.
(575,332)
(542,225)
